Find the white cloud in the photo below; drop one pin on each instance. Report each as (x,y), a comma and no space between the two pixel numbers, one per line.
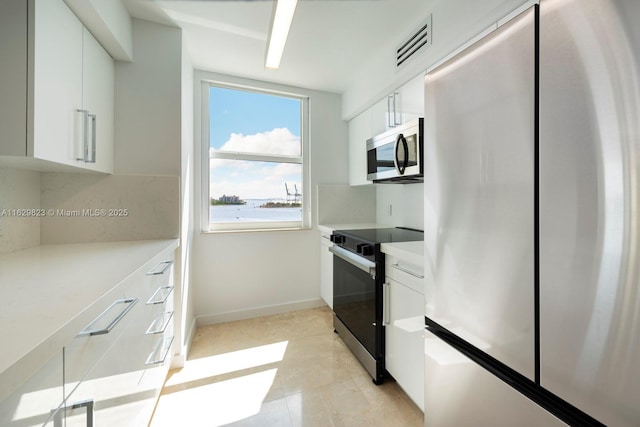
(278,141)
(252,179)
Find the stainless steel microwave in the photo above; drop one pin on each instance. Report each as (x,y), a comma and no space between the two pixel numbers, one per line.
(395,156)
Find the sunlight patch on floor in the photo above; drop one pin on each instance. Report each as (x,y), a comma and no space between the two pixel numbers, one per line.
(219,403)
(226,363)
(216,390)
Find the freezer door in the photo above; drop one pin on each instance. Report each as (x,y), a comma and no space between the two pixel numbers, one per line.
(461,393)
(479,174)
(589,213)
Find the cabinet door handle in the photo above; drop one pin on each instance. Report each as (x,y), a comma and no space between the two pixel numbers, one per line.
(94,328)
(87,404)
(92,158)
(84,145)
(395,111)
(386,304)
(397,267)
(389,123)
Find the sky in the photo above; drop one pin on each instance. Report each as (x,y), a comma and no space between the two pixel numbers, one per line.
(242,121)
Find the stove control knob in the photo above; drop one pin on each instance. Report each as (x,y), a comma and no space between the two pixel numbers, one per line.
(337,239)
(365,249)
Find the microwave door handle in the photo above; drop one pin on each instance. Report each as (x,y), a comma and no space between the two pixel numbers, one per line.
(406,151)
(401,167)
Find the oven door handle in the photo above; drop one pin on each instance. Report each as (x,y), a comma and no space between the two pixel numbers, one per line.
(355,260)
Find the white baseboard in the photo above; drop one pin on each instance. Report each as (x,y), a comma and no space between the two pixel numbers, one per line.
(231,316)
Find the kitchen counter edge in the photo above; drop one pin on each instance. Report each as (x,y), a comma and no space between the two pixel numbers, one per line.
(61,268)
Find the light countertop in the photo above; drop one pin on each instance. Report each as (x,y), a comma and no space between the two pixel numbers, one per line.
(44,288)
(411,252)
(329,228)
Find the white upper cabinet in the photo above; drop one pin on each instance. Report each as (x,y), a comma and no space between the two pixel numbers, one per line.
(98,100)
(401,106)
(359,132)
(56,82)
(410,100)
(62,111)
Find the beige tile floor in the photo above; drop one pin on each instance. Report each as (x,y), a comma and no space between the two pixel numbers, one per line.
(283,370)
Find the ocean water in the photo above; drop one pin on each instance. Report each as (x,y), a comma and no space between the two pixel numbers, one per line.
(252,212)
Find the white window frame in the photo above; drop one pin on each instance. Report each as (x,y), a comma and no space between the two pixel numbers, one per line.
(303,160)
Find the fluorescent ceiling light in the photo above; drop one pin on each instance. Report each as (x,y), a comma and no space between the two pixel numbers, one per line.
(280,31)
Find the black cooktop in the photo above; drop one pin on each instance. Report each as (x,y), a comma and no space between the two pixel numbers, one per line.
(383,235)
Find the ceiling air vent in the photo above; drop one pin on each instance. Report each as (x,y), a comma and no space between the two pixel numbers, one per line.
(414,43)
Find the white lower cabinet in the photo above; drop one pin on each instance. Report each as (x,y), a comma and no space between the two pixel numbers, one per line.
(35,401)
(326,270)
(404,328)
(123,383)
(112,371)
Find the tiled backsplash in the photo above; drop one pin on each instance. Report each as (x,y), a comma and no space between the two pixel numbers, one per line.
(400,205)
(343,204)
(94,208)
(19,209)
(49,208)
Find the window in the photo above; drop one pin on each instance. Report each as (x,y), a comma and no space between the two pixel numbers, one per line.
(256,154)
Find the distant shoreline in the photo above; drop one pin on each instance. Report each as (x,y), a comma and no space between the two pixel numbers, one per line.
(281,205)
(219,203)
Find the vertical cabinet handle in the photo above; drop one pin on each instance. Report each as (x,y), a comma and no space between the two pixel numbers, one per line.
(389,101)
(87,151)
(395,109)
(386,304)
(83,147)
(91,154)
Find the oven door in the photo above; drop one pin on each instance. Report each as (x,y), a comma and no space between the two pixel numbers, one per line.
(354,297)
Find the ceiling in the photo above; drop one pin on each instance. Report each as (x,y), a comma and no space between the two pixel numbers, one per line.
(330,42)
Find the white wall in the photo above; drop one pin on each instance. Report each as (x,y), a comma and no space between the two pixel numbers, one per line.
(148,102)
(183,259)
(245,274)
(154,136)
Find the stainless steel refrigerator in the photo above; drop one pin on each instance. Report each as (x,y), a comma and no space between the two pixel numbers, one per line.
(532,221)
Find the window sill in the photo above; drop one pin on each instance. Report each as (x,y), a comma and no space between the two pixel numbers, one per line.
(254,230)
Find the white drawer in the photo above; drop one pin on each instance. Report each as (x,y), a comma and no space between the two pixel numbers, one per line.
(31,404)
(408,274)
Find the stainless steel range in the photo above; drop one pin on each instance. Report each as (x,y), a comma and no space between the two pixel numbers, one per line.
(358,277)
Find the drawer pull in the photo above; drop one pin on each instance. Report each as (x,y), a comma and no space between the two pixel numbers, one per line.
(160,295)
(161,268)
(397,267)
(160,351)
(87,404)
(97,326)
(160,323)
